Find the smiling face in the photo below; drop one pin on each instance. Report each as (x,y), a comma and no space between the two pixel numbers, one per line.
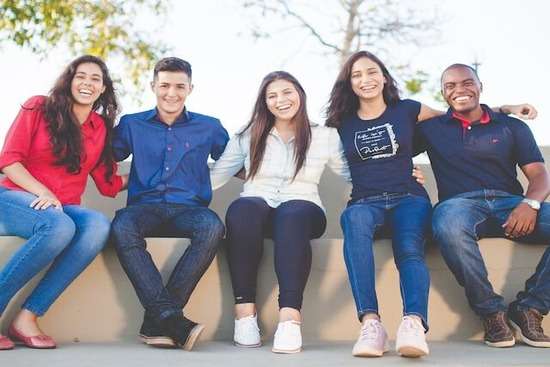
(171,89)
(367,80)
(282,100)
(461,89)
(87,84)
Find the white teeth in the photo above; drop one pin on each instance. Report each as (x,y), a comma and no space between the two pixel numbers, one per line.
(462,98)
(284,108)
(85,92)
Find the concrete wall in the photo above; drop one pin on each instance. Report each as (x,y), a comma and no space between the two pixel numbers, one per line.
(101,304)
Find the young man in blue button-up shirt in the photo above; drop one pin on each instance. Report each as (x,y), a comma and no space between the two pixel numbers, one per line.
(168,195)
(474,154)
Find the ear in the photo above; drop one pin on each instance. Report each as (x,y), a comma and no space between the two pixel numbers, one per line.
(480,86)
(191,86)
(152,84)
(103,89)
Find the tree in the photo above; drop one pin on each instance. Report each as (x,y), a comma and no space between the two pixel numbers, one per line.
(343,27)
(105,28)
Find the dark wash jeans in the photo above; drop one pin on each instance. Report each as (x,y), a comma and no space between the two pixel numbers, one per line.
(405,218)
(135,222)
(460,221)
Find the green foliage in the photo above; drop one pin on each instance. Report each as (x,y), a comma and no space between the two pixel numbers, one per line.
(105,28)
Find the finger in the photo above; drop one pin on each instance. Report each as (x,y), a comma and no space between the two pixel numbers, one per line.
(517,229)
(46,205)
(58,205)
(34,203)
(509,228)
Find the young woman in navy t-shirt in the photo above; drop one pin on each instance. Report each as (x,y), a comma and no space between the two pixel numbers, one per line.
(377,128)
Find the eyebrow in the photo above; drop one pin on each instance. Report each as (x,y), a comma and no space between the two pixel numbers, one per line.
(84,73)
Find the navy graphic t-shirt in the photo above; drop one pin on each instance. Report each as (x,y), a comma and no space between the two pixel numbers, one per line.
(379,151)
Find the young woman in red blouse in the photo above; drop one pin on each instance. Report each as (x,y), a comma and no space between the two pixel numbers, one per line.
(53,145)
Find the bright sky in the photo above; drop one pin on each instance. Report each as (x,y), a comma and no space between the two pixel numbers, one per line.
(508,37)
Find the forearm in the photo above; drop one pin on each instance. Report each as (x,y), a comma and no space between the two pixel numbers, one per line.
(19,175)
(539,187)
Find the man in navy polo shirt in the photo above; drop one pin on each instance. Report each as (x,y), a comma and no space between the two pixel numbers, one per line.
(474,153)
(168,195)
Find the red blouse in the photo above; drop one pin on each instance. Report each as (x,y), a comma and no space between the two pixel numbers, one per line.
(28,142)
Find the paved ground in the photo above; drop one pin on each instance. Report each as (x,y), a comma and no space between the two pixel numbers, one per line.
(225,354)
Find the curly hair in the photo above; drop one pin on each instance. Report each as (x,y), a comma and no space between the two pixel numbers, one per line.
(64,129)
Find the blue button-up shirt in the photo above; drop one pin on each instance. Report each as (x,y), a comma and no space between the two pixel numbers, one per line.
(169,162)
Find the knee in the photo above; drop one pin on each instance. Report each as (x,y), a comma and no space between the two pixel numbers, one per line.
(408,256)
(245,207)
(122,227)
(95,232)
(449,222)
(59,227)
(210,225)
(356,217)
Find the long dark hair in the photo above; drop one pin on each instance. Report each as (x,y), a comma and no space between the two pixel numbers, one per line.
(343,102)
(64,129)
(262,121)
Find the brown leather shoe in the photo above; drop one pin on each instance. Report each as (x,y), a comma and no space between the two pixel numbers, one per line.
(497,332)
(528,325)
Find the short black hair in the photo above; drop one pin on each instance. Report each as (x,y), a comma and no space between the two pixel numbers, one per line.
(172,64)
(459,65)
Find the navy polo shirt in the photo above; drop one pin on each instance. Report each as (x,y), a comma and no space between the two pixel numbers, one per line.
(169,162)
(483,156)
(379,151)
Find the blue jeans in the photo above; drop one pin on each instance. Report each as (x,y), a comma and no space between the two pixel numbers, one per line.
(135,222)
(457,225)
(68,239)
(406,219)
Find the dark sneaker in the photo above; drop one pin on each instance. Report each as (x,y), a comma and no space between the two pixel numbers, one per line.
(151,334)
(183,331)
(497,332)
(527,323)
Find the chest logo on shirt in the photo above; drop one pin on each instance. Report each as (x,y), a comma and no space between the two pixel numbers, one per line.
(376,142)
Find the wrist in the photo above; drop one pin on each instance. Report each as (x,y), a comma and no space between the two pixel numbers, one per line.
(505,109)
(533,204)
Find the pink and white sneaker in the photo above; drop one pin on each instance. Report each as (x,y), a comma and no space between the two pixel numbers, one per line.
(372,341)
(411,338)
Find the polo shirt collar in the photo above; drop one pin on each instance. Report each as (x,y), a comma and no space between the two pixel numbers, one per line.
(486,117)
(152,115)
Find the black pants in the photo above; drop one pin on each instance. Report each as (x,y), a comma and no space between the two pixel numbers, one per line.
(291,225)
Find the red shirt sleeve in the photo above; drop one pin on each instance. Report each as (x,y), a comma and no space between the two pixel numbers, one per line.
(19,138)
(106,187)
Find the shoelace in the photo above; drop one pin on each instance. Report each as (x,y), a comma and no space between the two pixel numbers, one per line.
(534,321)
(411,326)
(369,331)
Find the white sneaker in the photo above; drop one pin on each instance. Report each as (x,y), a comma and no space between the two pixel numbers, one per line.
(411,338)
(288,337)
(372,341)
(247,332)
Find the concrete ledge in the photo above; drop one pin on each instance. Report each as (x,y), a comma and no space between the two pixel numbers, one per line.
(101,304)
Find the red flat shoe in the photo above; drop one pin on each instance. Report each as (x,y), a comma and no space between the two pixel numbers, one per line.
(6,343)
(37,341)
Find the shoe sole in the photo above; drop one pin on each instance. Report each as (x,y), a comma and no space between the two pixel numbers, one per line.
(411,352)
(247,345)
(371,353)
(158,341)
(502,344)
(193,337)
(286,351)
(526,340)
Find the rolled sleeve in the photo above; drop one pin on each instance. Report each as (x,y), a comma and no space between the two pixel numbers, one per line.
(526,148)
(18,140)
